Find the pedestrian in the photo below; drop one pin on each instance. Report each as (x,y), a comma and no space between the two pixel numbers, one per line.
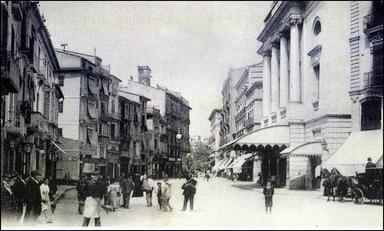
(166,196)
(148,187)
(8,205)
(52,188)
(94,192)
(158,194)
(19,190)
(189,188)
(46,212)
(33,198)
(80,188)
(112,198)
(138,189)
(369,164)
(127,186)
(268,195)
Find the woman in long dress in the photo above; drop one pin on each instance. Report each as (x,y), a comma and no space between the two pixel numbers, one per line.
(46,212)
(112,198)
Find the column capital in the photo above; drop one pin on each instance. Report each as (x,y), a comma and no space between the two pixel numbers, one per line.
(295,20)
(267,52)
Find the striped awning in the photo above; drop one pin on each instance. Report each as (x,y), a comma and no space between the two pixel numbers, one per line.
(306,149)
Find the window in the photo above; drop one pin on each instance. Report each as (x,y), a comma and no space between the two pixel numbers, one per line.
(316,89)
(113,126)
(371,114)
(61,81)
(100,129)
(89,135)
(46,104)
(61,105)
(113,106)
(317,27)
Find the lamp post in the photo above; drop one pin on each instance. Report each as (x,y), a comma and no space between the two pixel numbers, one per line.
(179,136)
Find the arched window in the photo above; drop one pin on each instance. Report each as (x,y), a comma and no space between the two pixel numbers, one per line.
(316,26)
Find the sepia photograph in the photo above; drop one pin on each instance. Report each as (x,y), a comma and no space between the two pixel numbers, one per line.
(180,115)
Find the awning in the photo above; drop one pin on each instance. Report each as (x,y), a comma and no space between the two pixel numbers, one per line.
(306,149)
(226,163)
(230,143)
(239,161)
(352,156)
(57,146)
(91,110)
(274,135)
(218,164)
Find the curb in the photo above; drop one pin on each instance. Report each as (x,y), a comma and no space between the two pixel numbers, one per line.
(58,197)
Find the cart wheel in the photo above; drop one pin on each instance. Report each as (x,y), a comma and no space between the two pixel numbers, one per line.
(358,196)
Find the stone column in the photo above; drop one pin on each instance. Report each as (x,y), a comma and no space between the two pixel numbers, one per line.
(294,59)
(275,92)
(267,85)
(284,87)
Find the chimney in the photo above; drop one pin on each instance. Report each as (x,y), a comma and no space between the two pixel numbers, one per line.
(144,75)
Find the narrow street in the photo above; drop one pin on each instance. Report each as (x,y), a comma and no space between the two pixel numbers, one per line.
(221,203)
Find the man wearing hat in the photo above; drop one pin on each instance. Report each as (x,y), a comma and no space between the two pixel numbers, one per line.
(369,164)
(33,198)
(94,192)
(19,190)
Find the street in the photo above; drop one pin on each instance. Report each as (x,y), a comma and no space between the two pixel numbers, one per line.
(221,203)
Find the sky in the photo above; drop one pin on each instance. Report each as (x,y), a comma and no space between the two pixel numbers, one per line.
(189,46)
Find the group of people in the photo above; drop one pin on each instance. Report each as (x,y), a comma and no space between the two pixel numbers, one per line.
(27,199)
(92,188)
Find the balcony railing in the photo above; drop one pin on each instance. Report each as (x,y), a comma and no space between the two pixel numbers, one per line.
(38,122)
(10,73)
(249,122)
(373,79)
(371,21)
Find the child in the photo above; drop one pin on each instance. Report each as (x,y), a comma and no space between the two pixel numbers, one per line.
(268,193)
(166,196)
(159,195)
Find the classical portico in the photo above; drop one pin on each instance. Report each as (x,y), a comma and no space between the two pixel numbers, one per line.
(281,73)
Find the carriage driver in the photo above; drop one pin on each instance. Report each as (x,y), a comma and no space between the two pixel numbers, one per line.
(370,164)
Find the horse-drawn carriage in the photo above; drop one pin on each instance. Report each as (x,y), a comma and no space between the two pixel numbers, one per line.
(369,186)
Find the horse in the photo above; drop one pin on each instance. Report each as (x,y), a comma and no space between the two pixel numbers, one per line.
(336,184)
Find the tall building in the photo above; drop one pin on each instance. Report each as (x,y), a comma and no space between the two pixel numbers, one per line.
(248,99)
(157,133)
(214,141)
(306,117)
(30,93)
(136,156)
(365,90)
(90,115)
(174,110)
(229,107)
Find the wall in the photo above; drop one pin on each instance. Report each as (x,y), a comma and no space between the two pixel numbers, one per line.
(69,119)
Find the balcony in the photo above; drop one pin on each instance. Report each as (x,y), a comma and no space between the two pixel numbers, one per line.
(10,74)
(240,115)
(372,23)
(103,138)
(38,123)
(373,79)
(249,122)
(17,10)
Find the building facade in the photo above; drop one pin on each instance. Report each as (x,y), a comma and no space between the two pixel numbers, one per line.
(30,93)
(174,111)
(300,67)
(366,69)
(90,115)
(214,141)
